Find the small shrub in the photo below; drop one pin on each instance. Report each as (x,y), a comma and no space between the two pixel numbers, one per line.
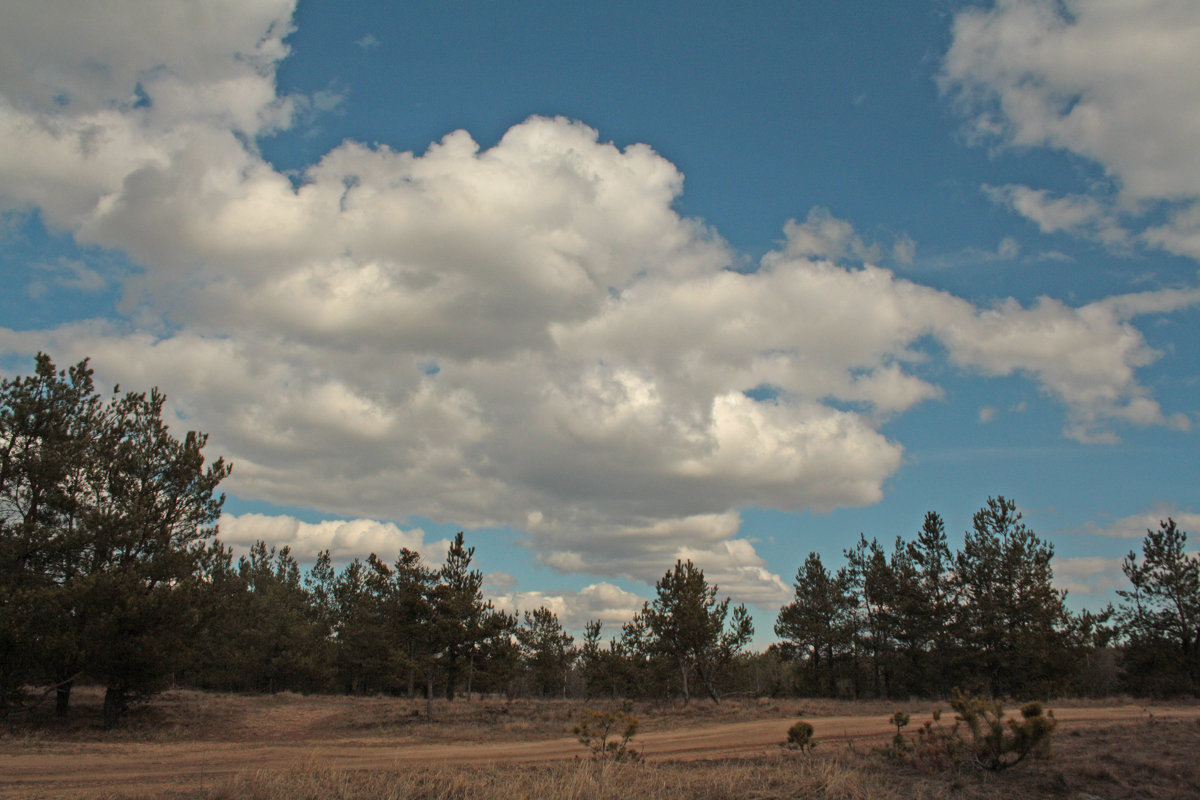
(996,743)
(1000,743)
(607,734)
(900,720)
(935,747)
(799,737)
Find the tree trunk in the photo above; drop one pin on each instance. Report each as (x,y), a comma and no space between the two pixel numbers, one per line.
(814,663)
(470,674)
(114,706)
(429,694)
(831,687)
(706,678)
(412,673)
(62,700)
(683,678)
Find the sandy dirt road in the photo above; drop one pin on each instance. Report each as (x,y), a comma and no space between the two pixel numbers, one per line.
(73,769)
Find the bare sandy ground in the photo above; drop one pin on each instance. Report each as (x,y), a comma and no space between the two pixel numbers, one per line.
(88,769)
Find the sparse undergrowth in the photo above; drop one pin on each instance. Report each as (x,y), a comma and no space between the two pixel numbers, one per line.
(996,743)
(1154,762)
(607,734)
(758,779)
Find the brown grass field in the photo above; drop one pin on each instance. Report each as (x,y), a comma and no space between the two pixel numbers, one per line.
(211,747)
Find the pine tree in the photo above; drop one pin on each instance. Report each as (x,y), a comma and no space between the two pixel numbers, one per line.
(1161,614)
(926,607)
(1011,617)
(103,519)
(461,620)
(547,651)
(817,627)
(688,624)
(874,584)
(49,424)
(146,535)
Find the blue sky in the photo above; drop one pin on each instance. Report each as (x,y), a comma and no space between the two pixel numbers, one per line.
(612,284)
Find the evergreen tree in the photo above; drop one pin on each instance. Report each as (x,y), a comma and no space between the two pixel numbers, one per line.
(688,624)
(139,575)
(410,613)
(547,651)
(928,603)
(49,423)
(274,641)
(363,656)
(461,620)
(874,585)
(1011,618)
(103,517)
(592,659)
(639,667)
(817,627)
(1161,614)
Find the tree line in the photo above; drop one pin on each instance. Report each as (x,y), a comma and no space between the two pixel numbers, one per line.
(111,571)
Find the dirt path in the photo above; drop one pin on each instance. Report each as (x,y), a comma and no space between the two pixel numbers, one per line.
(88,769)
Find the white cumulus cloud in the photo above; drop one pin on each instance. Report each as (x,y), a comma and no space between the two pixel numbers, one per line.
(607,603)
(344,539)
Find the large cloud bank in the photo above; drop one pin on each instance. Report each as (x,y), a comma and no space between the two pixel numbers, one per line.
(525,335)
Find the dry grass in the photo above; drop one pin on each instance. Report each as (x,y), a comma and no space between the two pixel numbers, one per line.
(578,780)
(1151,761)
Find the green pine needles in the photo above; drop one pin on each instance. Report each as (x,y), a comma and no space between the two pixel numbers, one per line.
(996,743)
(607,734)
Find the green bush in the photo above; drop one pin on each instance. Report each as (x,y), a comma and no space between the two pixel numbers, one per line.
(800,736)
(1000,743)
(996,743)
(900,720)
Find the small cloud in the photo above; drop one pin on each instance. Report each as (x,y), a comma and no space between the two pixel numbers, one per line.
(987,414)
(499,580)
(368,42)
(1080,215)
(67,274)
(1135,526)
(308,107)
(1085,434)
(1089,574)
(905,249)
(1009,248)
(823,235)
(328,100)
(1179,422)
